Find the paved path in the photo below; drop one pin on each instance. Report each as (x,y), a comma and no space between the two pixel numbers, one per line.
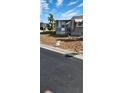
(60,74)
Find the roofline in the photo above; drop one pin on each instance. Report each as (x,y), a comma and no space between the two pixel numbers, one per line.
(63,20)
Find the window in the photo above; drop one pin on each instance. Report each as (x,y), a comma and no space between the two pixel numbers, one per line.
(79,24)
(63,23)
(63,26)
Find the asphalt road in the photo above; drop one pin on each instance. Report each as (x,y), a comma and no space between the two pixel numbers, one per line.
(60,74)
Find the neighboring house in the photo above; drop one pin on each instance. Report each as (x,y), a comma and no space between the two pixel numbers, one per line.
(61,27)
(43,26)
(73,26)
(76,26)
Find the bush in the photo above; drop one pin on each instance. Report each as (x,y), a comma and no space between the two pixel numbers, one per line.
(47,32)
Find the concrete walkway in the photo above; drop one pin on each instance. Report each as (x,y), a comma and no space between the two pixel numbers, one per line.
(62,51)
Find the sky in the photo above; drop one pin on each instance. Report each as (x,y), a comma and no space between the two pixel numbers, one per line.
(61,9)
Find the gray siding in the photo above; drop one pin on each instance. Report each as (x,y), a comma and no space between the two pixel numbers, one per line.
(61,27)
(78,31)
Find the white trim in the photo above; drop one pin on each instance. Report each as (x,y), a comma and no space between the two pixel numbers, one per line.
(78,20)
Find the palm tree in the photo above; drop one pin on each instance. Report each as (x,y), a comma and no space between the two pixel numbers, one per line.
(51,21)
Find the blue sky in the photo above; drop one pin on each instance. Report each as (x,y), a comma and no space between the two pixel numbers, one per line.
(61,9)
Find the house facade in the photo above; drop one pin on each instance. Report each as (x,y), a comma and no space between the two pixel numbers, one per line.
(61,27)
(43,26)
(74,26)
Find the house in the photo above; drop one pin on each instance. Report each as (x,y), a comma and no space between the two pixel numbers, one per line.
(61,28)
(43,26)
(73,27)
(76,26)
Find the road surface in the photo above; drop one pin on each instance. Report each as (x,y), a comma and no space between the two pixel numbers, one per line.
(60,74)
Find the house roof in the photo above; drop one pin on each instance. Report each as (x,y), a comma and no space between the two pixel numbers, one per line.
(62,20)
(77,17)
(43,24)
(74,17)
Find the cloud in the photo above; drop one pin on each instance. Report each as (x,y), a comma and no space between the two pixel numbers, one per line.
(80,5)
(59,2)
(69,11)
(50,1)
(69,14)
(53,11)
(44,4)
(72,3)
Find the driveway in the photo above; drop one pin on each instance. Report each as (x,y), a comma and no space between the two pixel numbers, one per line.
(60,74)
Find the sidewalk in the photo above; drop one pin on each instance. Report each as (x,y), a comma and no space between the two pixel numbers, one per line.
(62,51)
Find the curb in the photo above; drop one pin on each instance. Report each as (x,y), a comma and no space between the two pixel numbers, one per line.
(59,50)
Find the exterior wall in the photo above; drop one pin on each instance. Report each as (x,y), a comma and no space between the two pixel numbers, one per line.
(43,27)
(78,31)
(61,27)
(72,25)
(59,31)
(75,29)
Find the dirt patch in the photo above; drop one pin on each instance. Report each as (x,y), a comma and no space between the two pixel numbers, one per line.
(69,44)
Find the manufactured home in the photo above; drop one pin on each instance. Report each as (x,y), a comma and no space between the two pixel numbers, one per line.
(61,27)
(74,26)
(43,26)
